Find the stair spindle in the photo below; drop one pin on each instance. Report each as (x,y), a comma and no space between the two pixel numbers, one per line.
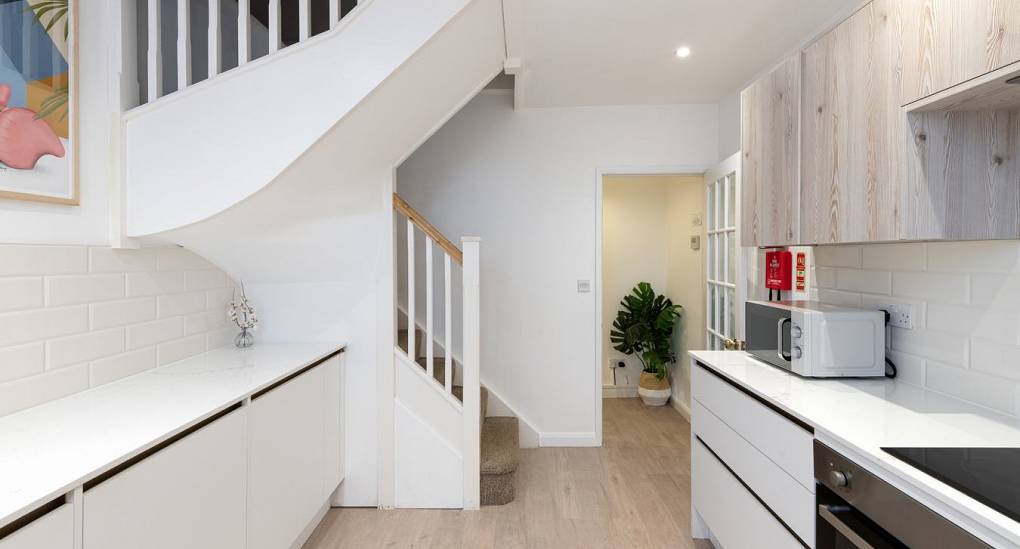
(274,26)
(411,328)
(429,351)
(183,44)
(215,64)
(304,20)
(243,32)
(334,13)
(154,61)
(447,349)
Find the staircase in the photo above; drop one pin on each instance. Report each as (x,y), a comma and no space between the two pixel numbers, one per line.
(500,443)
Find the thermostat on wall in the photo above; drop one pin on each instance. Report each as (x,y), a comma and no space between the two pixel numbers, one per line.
(695,242)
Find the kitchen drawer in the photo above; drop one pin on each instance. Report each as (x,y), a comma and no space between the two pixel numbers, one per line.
(54,530)
(735,517)
(779,438)
(793,503)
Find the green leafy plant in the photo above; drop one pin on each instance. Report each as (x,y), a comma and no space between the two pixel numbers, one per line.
(57,11)
(644,326)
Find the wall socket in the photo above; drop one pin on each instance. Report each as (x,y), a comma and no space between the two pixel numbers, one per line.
(901,315)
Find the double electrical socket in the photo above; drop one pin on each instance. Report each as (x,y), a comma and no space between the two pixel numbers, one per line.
(901,315)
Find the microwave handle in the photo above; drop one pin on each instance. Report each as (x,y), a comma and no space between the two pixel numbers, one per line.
(843,529)
(779,339)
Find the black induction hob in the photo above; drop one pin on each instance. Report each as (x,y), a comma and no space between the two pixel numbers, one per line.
(989,475)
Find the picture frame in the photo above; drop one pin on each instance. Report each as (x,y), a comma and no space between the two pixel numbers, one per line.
(39,99)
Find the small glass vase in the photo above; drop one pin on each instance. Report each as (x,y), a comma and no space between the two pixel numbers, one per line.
(244,339)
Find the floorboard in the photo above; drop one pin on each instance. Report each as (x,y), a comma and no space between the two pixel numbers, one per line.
(635,491)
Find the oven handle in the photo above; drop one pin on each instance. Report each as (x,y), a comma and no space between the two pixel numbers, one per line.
(843,529)
(779,339)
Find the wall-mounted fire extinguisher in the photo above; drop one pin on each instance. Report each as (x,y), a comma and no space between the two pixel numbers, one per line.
(778,270)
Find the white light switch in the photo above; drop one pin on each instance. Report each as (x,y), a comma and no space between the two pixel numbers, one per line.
(583,286)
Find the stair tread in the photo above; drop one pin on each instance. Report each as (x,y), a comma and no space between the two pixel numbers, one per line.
(500,446)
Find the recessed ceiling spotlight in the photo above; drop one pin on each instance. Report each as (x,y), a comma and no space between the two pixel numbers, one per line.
(683,52)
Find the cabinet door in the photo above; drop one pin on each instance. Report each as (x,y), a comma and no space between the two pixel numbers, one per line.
(947,42)
(54,530)
(286,460)
(333,436)
(852,132)
(770,129)
(189,494)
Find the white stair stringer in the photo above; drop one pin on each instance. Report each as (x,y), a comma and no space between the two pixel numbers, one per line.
(428,425)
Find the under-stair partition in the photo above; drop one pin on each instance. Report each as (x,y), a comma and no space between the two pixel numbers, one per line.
(427,404)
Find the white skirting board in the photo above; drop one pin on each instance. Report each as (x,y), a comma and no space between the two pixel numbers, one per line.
(528,434)
(680,406)
(619,391)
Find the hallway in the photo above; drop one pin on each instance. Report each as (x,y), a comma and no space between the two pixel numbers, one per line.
(632,492)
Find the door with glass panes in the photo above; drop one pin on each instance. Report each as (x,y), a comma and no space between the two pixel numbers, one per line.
(725,291)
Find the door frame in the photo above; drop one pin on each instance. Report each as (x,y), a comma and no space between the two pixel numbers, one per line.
(600,173)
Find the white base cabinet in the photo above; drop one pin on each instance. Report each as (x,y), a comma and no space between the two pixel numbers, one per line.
(189,494)
(54,530)
(293,461)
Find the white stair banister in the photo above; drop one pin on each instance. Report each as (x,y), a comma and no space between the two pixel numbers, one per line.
(429,335)
(215,63)
(304,20)
(411,319)
(274,26)
(334,13)
(448,319)
(472,356)
(243,32)
(183,44)
(154,61)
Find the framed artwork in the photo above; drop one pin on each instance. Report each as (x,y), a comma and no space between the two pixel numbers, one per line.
(38,101)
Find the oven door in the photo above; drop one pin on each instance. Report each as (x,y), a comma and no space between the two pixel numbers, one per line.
(840,526)
(768,333)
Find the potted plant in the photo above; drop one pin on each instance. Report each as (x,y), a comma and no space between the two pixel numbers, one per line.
(644,327)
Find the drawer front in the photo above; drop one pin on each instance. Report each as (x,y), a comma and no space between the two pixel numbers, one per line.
(780,439)
(793,503)
(54,530)
(733,515)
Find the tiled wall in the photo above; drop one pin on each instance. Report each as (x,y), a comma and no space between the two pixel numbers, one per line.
(74,317)
(966,296)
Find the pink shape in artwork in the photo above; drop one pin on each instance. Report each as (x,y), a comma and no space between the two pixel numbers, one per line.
(24,139)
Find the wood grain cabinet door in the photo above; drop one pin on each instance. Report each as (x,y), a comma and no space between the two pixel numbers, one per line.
(852,131)
(770,130)
(946,42)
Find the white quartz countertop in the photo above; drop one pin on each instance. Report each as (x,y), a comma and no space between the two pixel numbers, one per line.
(50,449)
(859,417)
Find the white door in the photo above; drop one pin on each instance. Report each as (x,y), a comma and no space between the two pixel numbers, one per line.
(725,292)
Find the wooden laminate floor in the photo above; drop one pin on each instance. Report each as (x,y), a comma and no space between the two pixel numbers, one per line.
(632,492)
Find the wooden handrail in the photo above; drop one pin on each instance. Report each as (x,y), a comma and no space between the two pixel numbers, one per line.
(419,220)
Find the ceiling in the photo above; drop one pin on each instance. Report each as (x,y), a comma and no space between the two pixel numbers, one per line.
(608,52)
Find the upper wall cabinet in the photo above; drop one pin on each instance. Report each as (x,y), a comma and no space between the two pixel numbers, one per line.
(946,42)
(770,138)
(852,131)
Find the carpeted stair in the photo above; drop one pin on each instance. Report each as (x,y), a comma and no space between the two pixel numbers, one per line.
(500,443)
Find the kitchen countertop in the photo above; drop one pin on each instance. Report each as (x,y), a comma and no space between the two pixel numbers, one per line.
(859,417)
(50,449)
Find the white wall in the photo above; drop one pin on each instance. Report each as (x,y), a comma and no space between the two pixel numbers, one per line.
(729,125)
(966,298)
(646,238)
(525,181)
(74,317)
(686,280)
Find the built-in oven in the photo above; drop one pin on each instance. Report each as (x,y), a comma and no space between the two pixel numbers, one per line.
(858,510)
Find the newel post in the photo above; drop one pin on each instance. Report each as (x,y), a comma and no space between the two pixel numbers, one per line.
(472,383)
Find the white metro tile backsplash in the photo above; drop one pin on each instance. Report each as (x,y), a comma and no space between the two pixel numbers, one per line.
(74,317)
(966,306)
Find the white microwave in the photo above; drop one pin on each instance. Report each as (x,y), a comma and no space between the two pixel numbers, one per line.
(813,339)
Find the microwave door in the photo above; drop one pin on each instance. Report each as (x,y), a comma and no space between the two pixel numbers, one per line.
(768,334)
